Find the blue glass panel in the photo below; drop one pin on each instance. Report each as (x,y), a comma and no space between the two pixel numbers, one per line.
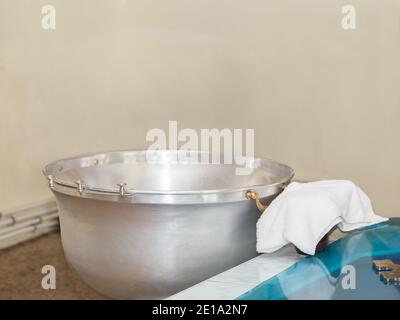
(321,276)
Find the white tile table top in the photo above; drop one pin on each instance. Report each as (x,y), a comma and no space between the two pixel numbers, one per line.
(232,283)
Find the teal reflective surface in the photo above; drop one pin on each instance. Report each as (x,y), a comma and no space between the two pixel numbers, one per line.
(326,275)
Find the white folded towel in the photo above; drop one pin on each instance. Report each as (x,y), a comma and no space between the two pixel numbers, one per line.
(304,212)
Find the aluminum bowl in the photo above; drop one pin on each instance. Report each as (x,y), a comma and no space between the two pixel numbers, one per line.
(134,228)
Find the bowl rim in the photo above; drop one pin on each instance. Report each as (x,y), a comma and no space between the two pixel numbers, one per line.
(127,194)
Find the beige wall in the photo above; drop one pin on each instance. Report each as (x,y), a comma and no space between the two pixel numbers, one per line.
(324,100)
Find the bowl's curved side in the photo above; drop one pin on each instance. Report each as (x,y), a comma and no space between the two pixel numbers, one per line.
(147,251)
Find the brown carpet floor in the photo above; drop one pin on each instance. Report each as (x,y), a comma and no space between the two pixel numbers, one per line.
(20,272)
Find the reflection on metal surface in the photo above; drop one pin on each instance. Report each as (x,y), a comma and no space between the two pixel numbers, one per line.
(388,270)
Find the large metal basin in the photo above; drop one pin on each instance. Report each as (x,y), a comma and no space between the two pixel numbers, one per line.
(136,229)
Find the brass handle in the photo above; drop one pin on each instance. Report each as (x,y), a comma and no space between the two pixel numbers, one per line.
(252,195)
